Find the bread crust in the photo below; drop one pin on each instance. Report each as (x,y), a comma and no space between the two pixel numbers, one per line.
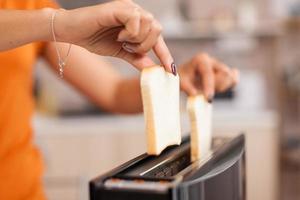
(154,79)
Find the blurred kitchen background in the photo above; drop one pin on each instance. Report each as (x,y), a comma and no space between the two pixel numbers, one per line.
(259,37)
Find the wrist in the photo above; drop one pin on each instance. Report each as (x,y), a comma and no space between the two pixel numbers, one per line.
(57,23)
(43,24)
(61,24)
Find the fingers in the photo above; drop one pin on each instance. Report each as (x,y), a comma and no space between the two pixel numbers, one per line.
(136,21)
(136,36)
(160,49)
(207,75)
(148,43)
(142,33)
(188,86)
(132,27)
(138,24)
(225,78)
(137,60)
(162,52)
(204,66)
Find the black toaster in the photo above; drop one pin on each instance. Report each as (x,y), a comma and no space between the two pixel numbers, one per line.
(220,175)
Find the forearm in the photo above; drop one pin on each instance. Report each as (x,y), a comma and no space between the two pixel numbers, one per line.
(128,96)
(20,27)
(98,80)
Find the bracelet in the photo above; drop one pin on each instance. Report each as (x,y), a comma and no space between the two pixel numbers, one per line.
(61,62)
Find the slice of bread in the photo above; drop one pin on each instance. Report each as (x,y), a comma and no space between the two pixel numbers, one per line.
(200,114)
(160,94)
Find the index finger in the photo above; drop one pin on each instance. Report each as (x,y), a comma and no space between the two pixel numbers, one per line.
(204,66)
(162,52)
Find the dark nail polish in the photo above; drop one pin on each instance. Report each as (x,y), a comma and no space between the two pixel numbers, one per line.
(174,70)
(210,100)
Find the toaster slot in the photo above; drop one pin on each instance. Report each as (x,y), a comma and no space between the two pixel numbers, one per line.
(171,168)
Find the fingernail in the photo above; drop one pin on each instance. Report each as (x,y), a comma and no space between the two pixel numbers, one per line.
(210,98)
(127,48)
(174,70)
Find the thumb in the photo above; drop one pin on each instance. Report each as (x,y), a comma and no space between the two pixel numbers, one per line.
(137,60)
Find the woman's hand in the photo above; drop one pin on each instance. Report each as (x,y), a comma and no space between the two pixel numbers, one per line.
(207,75)
(119,28)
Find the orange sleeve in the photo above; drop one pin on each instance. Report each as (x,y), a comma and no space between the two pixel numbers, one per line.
(46,3)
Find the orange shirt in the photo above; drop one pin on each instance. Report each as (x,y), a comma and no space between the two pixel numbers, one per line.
(20,162)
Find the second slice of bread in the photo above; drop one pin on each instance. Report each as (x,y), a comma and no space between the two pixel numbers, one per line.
(200,114)
(160,94)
